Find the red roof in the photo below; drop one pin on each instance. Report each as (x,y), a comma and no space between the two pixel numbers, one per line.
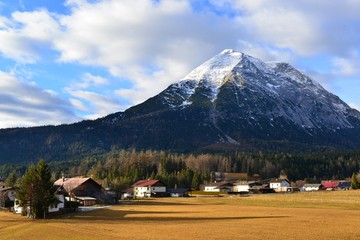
(146,183)
(330,184)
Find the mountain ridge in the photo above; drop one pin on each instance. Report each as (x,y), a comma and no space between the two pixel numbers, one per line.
(231,102)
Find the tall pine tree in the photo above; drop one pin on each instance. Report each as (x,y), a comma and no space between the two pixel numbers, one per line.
(46,194)
(36,193)
(11,180)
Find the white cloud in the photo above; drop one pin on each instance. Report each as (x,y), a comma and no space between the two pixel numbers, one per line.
(89,80)
(79,105)
(282,26)
(24,104)
(26,34)
(97,104)
(267,53)
(347,66)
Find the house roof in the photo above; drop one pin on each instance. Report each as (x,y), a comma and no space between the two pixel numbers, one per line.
(178,190)
(330,184)
(242,183)
(219,184)
(147,183)
(86,198)
(344,184)
(312,185)
(278,180)
(70,184)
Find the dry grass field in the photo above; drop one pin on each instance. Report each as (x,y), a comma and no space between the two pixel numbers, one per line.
(303,216)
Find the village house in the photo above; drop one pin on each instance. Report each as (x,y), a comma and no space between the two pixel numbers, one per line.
(86,191)
(218,187)
(308,187)
(330,185)
(56,207)
(280,185)
(336,185)
(149,188)
(241,186)
(60,203)
(298,184)
(127,194)
(7,196)
(344,185)
(179,192)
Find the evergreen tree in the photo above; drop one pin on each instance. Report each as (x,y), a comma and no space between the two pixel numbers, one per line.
(46,194)
(27,191)
(11,180)
(195,183)
(354,182)
(36,191)
(118,185)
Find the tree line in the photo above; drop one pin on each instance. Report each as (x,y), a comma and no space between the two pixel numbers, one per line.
(120,168)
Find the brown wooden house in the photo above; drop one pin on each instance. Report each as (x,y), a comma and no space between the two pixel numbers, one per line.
(84,190)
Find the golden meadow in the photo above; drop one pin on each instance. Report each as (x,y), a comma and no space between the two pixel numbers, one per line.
(303,216)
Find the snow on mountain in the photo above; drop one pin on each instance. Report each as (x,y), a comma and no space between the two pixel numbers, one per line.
(290,94)
(214,70)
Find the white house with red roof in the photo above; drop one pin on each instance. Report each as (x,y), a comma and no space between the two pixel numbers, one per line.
(149,188)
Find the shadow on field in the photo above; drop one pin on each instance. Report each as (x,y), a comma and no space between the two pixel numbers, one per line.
(115,216)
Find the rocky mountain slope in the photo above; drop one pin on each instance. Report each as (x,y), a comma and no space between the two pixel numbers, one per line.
(231,102)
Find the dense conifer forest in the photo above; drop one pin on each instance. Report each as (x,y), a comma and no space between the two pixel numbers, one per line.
(119,168)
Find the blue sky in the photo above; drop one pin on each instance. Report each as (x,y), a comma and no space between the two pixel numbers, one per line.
(65,61)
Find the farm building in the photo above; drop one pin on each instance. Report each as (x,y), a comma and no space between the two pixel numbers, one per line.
(336,184)
(149,188)
(280,185)
(179,192)
(7,196)
(241,187)
(312,187)
(58,206)
(218,187)
(84,190)
(127,193)
(330,184)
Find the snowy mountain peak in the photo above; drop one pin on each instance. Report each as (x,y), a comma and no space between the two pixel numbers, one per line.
(215,69)
(270,90)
